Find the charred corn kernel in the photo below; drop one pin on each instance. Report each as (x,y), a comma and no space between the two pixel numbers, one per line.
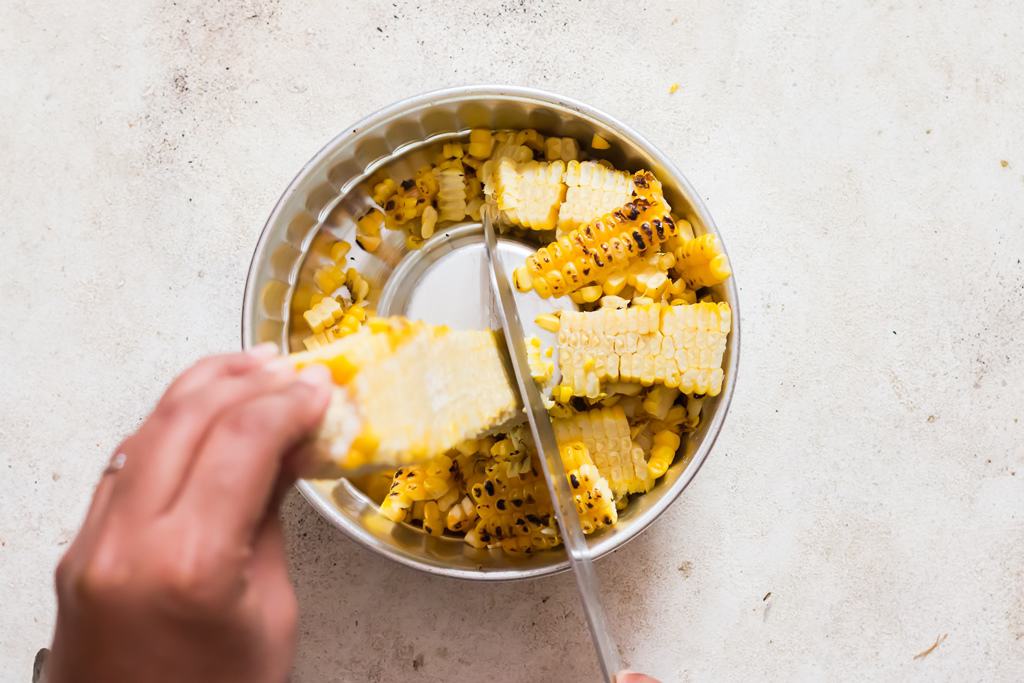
(530,193)
(613,302)
(591,192)
(368,230)
(663,452)
(323,314)
(522,280)
(454,387)
(433,520)
(595,501)
(339,250)
(547,321)
(461,515)
(329,278)
(587,295)
(429,220)
(659,401)
(701,262)
(606,244)
(502,448)
(678,346)
(383,190)
(426,185)
(481,142)
(605,433)
(451,195)
(598,142)
(694,404)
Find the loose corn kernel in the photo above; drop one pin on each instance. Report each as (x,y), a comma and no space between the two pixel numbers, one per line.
(383,190)
(481,142)
(548,321)
(562,393)
(428,221)
(328,278)
(598,142)
(339,250)
(587,295)
(452,150)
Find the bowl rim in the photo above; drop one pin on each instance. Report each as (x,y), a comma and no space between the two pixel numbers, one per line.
(602,546)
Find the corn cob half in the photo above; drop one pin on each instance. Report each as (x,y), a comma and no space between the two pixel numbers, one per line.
(590,252)
(408,392)
(678,346)
(605,433)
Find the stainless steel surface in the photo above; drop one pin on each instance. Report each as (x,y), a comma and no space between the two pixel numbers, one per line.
(550,458)
(320,205)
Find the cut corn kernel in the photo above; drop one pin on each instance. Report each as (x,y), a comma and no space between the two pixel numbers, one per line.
(548,321)
(429,220)
(329,278)
(678,346)
(481,142)
(530,193)
(659,401)
(598,142)
(323,314)
(591,192)
(383,190)
(339,250)
(451,197)
(663,452)
(587,295)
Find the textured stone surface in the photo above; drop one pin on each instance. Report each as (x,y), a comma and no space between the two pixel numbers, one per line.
(871,473)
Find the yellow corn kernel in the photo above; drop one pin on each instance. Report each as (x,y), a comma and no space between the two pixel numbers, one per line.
(433,520)
(451,195)
(323,314)
(368,231)
(672,89)
(562,393)
(452,150)
(383,190)
(663,452)
(412,242)
(598,142)
(529,193)
(614,283)
(587,295)
(328,278)
(339,250)
(426,184)
(613,302)
(429,220)
(548,321)
(659,401)
(481,142)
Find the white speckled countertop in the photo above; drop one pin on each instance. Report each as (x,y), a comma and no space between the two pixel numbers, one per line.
(865,165)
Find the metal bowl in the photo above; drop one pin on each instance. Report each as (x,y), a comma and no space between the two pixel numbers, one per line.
(320,206)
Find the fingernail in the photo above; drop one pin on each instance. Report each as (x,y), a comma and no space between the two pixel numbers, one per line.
(315,375)
(264,351)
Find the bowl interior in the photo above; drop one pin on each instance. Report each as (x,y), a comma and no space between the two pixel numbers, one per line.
(321,206)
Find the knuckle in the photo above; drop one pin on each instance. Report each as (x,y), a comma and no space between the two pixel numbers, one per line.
(247,420)
(191,587)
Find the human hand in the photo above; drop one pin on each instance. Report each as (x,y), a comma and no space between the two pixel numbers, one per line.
(178,572)
(632,677)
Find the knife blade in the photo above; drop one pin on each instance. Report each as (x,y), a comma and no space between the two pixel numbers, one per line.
(551,460)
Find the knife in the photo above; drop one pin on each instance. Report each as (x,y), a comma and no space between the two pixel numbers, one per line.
(551,460)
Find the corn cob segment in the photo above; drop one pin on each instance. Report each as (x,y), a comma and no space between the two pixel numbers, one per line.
(592,191)
(701,262)
(530,193)
(409,391)
(590,252)
(678,346)
(605,433)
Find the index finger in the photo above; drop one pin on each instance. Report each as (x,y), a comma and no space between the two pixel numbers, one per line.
(231,483)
